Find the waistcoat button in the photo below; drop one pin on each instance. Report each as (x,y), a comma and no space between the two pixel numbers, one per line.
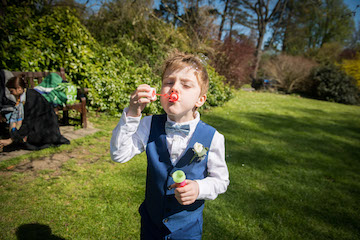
(166,220)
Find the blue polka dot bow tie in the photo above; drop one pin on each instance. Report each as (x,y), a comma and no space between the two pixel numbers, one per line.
(171,128)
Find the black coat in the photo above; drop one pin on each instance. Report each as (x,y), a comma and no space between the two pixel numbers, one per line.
(40,123)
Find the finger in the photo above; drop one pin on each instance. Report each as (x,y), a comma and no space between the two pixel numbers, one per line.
(183,200)
(139,99)
(188,194)
(188,202)
(141,94)
(187,198)
(172,186)
(181,190)
(143,88)
(188,181)
(143,100)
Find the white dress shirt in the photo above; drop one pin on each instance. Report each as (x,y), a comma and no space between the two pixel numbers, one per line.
(131,135)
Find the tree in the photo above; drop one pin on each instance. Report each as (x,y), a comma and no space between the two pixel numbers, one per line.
(118,18)
(233,59)
(278,24)
(355,40)
(196,18)
(198,21)
(223,18)
(309,24)
(233,14)
(169,10)
(264,14)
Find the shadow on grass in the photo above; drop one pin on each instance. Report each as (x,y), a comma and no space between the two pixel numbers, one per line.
(299,179)
(35,231)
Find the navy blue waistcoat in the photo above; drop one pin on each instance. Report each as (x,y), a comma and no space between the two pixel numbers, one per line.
(160,203)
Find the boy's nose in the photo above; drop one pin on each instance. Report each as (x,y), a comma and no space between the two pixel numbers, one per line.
(175,88)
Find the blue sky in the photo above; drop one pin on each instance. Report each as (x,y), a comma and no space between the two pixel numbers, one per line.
(352,4)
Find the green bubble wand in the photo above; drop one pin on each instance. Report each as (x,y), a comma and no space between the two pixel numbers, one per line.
(179,178)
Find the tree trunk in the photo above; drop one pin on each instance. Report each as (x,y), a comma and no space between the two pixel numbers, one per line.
(277,26)
(286,33)
(223,18)
(258,51)
(231,25)
(175,13)
(261,9)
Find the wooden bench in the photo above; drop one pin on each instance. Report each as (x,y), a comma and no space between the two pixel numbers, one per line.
(32,77)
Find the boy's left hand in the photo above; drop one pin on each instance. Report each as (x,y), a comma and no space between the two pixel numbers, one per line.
(187,195)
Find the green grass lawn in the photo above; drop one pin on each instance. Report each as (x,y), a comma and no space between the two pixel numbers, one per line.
(294,174)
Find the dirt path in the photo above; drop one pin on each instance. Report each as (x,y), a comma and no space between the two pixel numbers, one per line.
(67,131)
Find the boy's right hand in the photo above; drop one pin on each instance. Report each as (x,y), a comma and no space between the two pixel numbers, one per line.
(138,100)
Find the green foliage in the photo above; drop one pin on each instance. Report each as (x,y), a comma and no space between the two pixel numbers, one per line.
(310,24)
(139,34)
(332,84)
(47,43)
(58,39)
(352,68)
(327,54)
(152,47)
(218,92)
(112,84)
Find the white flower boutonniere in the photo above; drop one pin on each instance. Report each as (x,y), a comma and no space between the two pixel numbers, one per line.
(199,152)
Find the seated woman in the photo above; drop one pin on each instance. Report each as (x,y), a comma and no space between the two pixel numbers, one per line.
(39,128)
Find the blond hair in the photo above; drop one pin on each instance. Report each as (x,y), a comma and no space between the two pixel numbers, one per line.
(179,60)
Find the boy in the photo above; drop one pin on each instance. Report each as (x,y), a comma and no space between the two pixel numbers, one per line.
(168,211)
(18,113)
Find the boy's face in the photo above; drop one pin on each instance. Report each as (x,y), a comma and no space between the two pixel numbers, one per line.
(16,91)
(184,82)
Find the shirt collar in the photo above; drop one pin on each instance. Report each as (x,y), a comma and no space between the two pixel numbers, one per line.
(193,123)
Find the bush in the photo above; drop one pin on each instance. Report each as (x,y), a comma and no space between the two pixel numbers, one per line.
(290,72)
(327,54)
(352,68)
(332,84)
(218,92)
(139,35)
(58,39)
(233,59)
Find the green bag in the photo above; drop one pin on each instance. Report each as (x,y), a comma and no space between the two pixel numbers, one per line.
(57,92)
(70,91)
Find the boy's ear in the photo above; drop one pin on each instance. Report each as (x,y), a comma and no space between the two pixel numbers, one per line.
(200,101)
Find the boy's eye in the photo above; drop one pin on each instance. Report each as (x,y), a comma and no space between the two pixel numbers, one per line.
(187,84)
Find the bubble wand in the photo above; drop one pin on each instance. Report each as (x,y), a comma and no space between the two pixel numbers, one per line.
(173,97)
(179,178)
